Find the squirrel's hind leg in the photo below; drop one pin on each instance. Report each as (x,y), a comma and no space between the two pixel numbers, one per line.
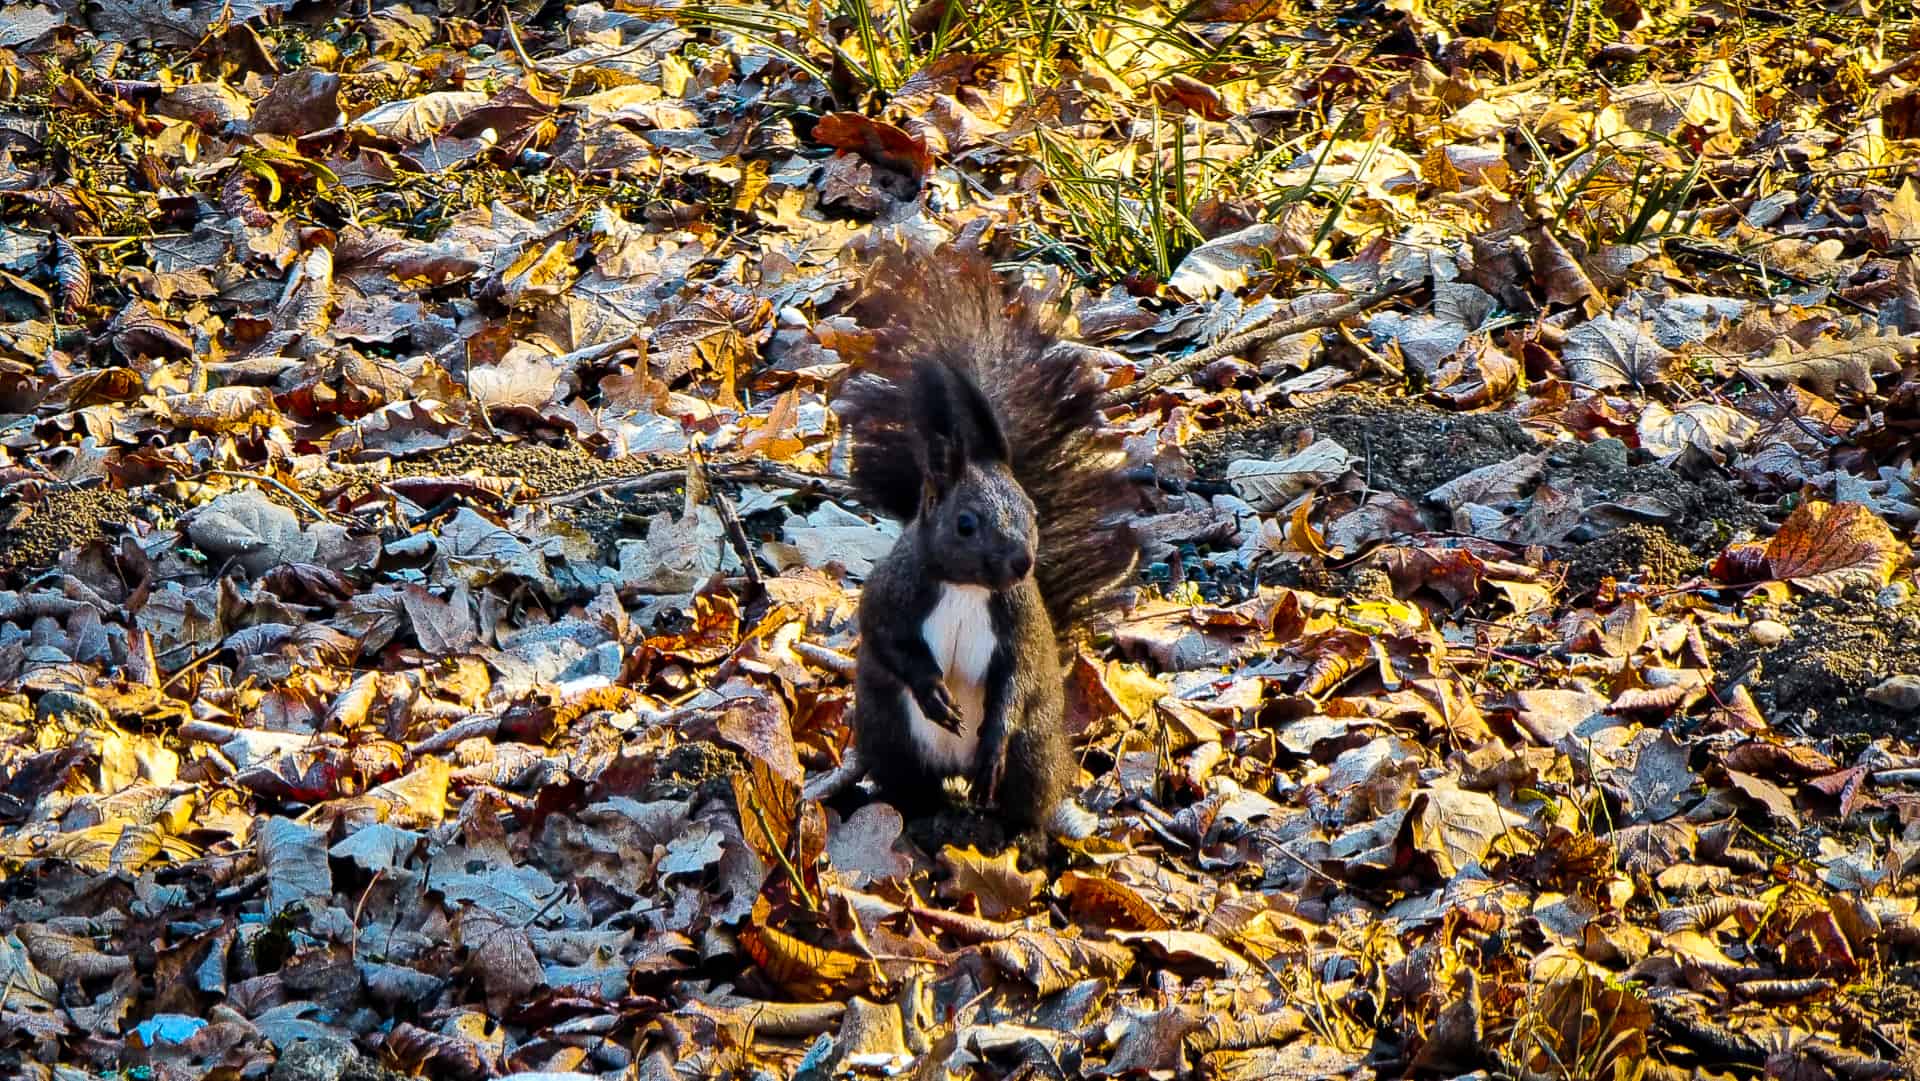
(897,764)
(1039,771)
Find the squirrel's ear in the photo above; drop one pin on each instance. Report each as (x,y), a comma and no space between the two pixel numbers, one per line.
(946,463)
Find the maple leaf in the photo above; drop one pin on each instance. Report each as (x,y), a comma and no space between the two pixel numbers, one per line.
(1611,351)
(1826,547)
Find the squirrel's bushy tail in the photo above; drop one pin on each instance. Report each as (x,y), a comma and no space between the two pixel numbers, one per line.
(947,324)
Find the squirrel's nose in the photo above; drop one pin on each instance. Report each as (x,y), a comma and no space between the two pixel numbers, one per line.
(1020,565)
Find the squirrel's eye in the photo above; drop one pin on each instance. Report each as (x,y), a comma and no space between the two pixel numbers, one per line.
(966,523)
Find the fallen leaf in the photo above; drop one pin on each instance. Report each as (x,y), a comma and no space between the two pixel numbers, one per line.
(1825,547)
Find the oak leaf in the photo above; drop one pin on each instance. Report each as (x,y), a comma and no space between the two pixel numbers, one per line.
(995,881)
(1836,362)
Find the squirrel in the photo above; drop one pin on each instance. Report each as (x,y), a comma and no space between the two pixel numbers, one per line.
(975,424)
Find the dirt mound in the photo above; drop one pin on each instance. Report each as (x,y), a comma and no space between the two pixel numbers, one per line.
(1639,553)
(1404,447)
(542,469)
(1410,448)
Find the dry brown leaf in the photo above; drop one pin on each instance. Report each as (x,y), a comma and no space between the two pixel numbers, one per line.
(996,882)
(1612,351)
(1054,962)
(1110,904)
(808,972)
(1836,362)
(1271,485)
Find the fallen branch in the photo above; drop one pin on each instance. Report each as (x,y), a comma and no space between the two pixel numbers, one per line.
(747,472)
(306,504)
(730,526)
(827,785)
(1246,339)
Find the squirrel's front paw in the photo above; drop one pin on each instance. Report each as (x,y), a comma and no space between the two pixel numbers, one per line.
(984,783)
(939,706)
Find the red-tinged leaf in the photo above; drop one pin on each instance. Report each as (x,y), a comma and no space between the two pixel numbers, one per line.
(1846,787)
(877,141)
(1780,761)
(1826,547)
(1190,94)
(1110,904)
(1742,563)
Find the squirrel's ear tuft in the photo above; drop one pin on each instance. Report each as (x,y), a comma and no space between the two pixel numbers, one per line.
(944,428)
(946,463)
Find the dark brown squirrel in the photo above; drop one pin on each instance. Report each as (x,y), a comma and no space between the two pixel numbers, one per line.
(975,424)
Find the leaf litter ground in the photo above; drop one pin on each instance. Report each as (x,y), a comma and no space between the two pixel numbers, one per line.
(1523,680)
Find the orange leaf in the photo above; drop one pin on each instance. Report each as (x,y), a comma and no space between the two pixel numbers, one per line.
(808,972)
(769,809)
(877,141)
(1825,548)
(1110,904)
(997,882)
(1301,535)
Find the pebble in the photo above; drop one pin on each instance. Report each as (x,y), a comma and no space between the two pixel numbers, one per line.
(1609,454)
(1769,632)
(56,704)
(1899,693)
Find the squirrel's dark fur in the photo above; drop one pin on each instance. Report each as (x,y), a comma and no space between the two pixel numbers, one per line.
(976,425)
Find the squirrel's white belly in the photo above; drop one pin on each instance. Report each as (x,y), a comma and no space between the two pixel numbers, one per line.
(959,632)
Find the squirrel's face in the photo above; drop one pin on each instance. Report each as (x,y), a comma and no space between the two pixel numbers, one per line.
(981,530)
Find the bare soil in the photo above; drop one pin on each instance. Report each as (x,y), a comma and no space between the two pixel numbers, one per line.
(1643,554)
(1409,448)
(38,531)
(1815,680)
(1405,447)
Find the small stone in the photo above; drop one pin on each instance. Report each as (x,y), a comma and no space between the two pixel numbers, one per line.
(1769,632)
(1899,693)
(315,1060)
(1609,454)
(55,705)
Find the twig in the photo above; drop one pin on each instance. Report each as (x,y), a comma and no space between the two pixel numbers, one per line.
(837,780)
(786,863)
(1379,360)
(1702,250)
(307,504)
(1246,339)
(659,480)
(1897,68)
(520,50)
(730,525)
(1787,409)
(830,659)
